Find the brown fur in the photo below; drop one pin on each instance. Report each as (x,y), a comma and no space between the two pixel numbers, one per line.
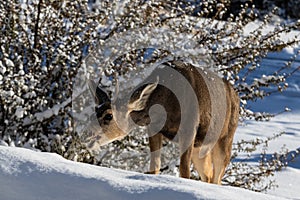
(210,167)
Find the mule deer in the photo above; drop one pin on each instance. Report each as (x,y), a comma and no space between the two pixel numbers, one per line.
(204,129)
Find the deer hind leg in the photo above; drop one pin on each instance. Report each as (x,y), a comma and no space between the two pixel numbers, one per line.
(222,150)
(202,165)
(221,156)
(185,162)
(155,143)
(219,163)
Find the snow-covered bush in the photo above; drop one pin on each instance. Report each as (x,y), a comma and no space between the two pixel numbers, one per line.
(43,44)
(286,8)
(256,176)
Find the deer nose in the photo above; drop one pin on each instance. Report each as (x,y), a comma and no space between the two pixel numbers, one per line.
(93,117)
(98,137)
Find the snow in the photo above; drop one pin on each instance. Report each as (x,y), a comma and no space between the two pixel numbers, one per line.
(27,174)
(53,111)
(19,112)
(288,180)
(9,63)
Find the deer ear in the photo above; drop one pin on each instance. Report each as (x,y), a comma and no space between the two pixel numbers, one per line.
(92,87)
(100,95)
(140,102)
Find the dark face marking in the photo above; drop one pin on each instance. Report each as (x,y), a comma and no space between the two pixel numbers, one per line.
(103,113)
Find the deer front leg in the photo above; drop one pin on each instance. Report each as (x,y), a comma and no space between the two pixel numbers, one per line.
(203,165)
(155,143)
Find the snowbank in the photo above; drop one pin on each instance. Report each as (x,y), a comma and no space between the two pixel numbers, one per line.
(26,174)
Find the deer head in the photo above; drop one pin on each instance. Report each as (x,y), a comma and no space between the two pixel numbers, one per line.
(114,116)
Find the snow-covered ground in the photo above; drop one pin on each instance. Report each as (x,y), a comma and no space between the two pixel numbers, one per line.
(29,175)
(288,180)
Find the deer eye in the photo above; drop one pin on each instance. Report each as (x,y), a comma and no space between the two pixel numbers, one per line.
(108,117)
